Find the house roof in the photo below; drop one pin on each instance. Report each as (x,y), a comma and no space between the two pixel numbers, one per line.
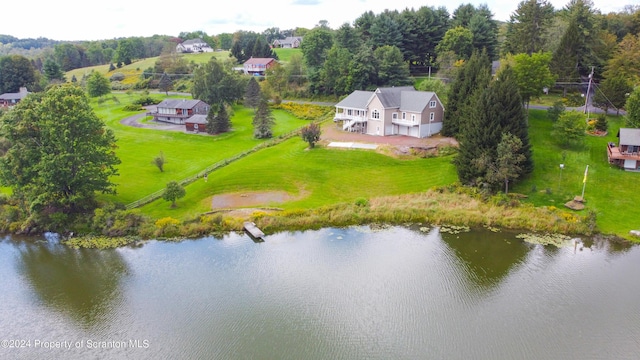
(629,136)
(415,101)
(178,103)
(15,96)
(391,97)
(356,100)
(289,40)
(259,61)
(193,42)
(197,119)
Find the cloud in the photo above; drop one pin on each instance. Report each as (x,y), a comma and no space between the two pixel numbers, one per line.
(307,2)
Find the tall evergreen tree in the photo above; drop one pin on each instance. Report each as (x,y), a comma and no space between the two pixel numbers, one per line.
(392,69)
(564,62)
(263,121)
(485,32)
(494,111)
(474,75)
(527,27)
(218,122)
(252,93)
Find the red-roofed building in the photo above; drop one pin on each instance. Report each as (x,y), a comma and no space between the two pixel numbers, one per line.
(257,66)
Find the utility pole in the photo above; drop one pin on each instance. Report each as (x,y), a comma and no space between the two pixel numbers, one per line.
(586,100)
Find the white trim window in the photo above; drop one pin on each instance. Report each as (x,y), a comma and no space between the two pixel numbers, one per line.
(375,114)
(404,116)
(432,104)
(395,116)
(432,116)
(413,117)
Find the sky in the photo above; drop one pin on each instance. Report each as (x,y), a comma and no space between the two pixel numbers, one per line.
(91,20)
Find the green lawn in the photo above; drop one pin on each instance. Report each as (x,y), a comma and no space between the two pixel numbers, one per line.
(320,176)
(185,154)
(610,191)
(284,55)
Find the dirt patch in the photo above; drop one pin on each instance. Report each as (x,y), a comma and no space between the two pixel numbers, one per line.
(250,199)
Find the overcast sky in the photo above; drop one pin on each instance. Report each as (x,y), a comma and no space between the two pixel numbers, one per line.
(96,20)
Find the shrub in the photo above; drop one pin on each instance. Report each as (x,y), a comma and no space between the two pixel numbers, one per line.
(117,77)
(601,123)
(362,202)
(554,112)
(133,107)
(167,227)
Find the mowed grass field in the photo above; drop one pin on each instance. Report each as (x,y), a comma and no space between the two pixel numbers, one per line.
(610,192)
(314,177)
(186,154)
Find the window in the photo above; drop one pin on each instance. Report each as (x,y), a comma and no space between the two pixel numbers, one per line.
(432,116)
(375,114)
(395,116)
(413,118)
(432,104)
(404,115)
(349,112)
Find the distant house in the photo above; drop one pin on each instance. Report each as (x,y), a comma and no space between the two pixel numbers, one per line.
(290,42)
(9,100)
(391,111)
(178,111)
(627,154)
(193,46)
(257,66)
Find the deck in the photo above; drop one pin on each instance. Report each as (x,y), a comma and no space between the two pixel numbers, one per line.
(253,230)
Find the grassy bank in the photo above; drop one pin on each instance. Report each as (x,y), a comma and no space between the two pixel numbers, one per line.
(610,192)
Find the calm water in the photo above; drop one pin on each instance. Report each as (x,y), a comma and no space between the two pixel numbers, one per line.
(329,294)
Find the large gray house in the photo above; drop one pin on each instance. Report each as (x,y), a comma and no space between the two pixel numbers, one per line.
(391,111)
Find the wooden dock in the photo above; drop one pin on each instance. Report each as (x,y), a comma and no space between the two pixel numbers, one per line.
(253,230)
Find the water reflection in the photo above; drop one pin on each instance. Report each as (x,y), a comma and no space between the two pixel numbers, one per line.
(82,284)
(486,257)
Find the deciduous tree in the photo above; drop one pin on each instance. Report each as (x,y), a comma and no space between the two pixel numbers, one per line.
(15,72)
(311,134)
(98,85)
(165,84)
(632,106)
(532,73)
(60,154)
(173,192)
(570,129)
(215,85)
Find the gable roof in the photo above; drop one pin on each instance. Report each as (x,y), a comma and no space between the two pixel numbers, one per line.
(15,96)
(391,97)
(197,119)
(259,61)
(288,40)
(178,103)
(629,136)
(193,42)
(356,100)
(415,101)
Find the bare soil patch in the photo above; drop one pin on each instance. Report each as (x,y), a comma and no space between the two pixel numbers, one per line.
(250,199)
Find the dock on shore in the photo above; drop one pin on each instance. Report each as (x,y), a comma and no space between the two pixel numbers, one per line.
(253,230)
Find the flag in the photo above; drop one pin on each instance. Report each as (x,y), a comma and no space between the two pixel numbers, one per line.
(584,181)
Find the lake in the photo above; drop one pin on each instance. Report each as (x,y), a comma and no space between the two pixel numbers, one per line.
(355,293)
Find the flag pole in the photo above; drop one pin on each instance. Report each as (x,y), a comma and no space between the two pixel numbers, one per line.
(584,181)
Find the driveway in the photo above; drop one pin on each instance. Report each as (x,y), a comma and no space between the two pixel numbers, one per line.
(135,121)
